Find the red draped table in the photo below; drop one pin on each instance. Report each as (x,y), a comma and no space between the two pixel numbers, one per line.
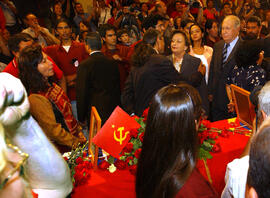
(122,184)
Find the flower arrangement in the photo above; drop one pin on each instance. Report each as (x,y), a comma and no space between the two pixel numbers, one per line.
(208,135)
(80,165)
(131,152)
(207,140)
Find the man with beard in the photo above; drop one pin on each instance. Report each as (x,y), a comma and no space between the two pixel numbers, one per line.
(254,27)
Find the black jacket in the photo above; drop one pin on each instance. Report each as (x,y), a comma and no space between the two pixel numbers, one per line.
(143,82)
(98,85)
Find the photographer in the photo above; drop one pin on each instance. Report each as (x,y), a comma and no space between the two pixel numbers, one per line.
(128,20)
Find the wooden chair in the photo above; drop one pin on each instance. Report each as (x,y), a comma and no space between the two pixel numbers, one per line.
(95,125)
(244,108)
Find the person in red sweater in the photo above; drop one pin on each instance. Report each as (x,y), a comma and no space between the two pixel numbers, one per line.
(16,44)
(115,51)
(68,55)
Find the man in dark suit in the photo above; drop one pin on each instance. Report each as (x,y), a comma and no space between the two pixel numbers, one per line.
(222,63)
(98,82)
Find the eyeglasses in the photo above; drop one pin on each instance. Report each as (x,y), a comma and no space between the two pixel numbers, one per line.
(19,165)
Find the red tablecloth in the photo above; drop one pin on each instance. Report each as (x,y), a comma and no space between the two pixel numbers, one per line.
(121,183)
(104,184)
(231,148)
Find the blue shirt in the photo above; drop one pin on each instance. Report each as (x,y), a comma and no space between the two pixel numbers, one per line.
(230,48)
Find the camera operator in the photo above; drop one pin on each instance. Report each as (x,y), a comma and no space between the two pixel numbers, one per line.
(127,19)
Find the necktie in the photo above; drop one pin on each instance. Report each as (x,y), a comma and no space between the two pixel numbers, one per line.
(224,53)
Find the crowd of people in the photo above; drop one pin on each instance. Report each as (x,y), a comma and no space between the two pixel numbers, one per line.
(123,53)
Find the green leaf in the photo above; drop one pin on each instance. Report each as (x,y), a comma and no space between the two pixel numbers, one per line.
(207,144)
(137,144)
(135,160)
(130,162)
(122,158)
(204,154)
(110,160)
(210,141)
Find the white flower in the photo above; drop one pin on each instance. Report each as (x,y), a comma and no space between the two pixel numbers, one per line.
(67,154)
(112,168)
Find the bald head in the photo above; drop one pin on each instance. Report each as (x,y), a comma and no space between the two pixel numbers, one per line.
(230,28)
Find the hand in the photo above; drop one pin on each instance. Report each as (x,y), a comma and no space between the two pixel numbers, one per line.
(202,69)
(210,98)
(231,107)
(14,105)
(117,57)
(171,22)
(261,57)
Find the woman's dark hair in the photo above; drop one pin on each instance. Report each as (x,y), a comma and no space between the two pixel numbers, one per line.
(209,24)
(142,53)
(175,24)
(202,30)
(62,20)
(184,35)
(170,142)
(31,78)
(150,36)
(247,53)
(112,10)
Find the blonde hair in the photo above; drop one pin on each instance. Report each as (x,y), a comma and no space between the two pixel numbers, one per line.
(3,149)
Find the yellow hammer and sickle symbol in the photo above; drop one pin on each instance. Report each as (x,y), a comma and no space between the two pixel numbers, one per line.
(120,139)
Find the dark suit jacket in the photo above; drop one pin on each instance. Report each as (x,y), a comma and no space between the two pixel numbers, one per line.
(98,85)
(189,71)
(217,80)
(143,82)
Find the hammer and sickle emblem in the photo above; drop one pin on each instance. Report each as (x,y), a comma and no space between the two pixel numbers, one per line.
(120,139)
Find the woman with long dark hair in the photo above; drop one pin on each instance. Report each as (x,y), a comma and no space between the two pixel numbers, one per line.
(49,105)
(166,166)
(198,48)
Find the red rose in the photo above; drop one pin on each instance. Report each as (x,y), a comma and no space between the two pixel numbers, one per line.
(145,113)
(121,165)
(79,160)
(213,136)
(207,124)
(84,154)
(137,153)
(103,165)
(134,133)
(79,168)
(128,148)
(66,158)
(129,158)
(216,148)
(78,176)
(224,133)
(87,164)
(133,169)
(81,177)
(141,136)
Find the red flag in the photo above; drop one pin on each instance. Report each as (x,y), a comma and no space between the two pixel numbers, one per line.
(115,133)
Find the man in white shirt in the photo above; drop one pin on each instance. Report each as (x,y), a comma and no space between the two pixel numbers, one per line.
(236,173)
(43,36)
